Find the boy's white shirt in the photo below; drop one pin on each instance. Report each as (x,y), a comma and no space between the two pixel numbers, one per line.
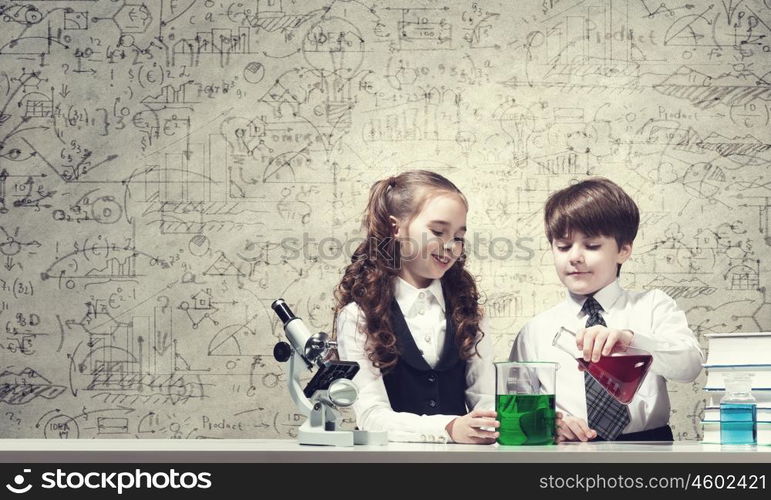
(659,327)
(424,314)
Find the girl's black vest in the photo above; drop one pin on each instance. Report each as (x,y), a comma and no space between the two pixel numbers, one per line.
(413,386)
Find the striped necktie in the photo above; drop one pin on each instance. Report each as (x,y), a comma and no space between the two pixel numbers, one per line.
(605,415)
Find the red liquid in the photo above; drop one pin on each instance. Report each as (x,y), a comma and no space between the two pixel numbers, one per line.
(621,376)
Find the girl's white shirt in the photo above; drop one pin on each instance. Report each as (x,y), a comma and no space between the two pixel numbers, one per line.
(424,314)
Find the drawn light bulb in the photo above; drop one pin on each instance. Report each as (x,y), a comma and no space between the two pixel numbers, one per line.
(517,122)
(465,140)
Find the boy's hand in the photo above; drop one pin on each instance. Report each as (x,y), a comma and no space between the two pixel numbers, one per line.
(570,428)
(557,424)
(467,429)
(599,340)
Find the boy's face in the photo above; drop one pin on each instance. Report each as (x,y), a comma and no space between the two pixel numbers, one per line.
(433,241)
(585,264)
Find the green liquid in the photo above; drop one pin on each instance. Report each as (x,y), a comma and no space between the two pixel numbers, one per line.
(525,418)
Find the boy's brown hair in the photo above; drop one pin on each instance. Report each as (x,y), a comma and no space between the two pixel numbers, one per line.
(596,207)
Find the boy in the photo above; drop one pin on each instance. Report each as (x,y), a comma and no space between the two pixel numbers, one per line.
(591,227)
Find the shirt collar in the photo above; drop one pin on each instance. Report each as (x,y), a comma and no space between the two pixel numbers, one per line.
(606,297)
(406,295)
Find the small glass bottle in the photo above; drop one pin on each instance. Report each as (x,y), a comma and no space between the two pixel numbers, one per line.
(738,411)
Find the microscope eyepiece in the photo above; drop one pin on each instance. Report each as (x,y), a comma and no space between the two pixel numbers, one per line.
(282,310)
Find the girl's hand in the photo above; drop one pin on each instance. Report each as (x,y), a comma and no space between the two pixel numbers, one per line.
(468,428)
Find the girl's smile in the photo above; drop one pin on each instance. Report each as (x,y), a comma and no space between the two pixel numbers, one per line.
(433,241)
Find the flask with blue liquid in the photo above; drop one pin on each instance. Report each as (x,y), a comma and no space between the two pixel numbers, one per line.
(738,411)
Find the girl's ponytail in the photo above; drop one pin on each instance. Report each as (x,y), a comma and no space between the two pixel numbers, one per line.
(377,212)
(380,243)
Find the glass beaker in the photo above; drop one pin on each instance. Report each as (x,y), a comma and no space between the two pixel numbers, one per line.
(620,373)
(525,402)
(738,410)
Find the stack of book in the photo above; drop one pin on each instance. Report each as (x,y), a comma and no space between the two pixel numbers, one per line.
(738,352)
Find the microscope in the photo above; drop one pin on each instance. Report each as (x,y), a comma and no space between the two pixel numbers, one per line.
(330,387)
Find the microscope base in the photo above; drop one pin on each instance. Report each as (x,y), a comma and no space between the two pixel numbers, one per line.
(315,436)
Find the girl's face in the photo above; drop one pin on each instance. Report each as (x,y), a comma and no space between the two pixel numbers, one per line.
(433,241)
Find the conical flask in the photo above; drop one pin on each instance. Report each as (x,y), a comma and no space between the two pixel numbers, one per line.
(620,373)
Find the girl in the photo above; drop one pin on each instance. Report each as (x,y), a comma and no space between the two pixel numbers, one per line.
(407,311)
